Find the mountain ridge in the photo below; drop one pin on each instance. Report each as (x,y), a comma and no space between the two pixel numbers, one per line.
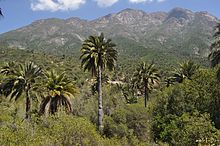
(134,31)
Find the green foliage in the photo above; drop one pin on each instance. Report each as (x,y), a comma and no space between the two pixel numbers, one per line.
(96,51)
(188,129)
(54,130)
(20,78)
(185,71)
(60,90)
(130,121)
(188,112)
(129,92)
(145,78)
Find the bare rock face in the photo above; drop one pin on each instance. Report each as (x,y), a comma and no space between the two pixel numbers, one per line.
(181,14)
(179,29)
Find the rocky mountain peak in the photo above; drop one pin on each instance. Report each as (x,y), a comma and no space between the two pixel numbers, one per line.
(158,15)
(180,13)
(129,10)
(206,15)
(127,16)
(75,21)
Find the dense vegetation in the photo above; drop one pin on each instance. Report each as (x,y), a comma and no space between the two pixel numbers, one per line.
(48,99)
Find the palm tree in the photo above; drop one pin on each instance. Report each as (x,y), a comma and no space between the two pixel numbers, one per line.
(97,55)
(185,71)
(20,81)
(214,56)
(146,76)
(60,91)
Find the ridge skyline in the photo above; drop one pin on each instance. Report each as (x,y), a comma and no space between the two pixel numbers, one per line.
(126,9)
(112,13)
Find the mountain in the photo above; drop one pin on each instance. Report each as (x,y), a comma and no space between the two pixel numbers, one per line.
(177,33)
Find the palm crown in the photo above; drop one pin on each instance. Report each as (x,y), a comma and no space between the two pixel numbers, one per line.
(19,79)
(185,71)
(98,51)
(9,68)
(60,91)
(146,73)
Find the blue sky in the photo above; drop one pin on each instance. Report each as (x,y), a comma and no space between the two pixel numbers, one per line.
(19,13)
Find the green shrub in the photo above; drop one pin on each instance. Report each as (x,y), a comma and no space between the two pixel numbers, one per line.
(188,112)
(130,122)
(54,130)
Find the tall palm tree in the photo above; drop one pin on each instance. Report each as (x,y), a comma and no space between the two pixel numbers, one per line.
(185,71)
(146,76)
(214,56)
(97,55)
(60,91)
(20,81)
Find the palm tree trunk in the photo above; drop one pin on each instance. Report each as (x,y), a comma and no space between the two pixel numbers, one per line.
(28,105)
(100,108)
(145,94)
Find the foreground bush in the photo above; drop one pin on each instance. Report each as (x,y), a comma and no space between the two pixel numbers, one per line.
(130,122)
(188,113)
(54,130)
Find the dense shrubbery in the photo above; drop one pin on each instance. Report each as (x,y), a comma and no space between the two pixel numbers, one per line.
(59,129)
(188,113)
(127,125)
(129,121)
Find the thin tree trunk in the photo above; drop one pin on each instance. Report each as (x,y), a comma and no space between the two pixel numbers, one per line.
(100,108)
(28,105)
(145,94)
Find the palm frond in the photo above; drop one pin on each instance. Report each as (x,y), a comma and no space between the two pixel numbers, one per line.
(9,68)
(146,74)
(60,91)
(96,50)
(21,76)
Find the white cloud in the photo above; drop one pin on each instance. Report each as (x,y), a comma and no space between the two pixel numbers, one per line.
(56,5)
(137,1)
(106,3)
(143,1)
